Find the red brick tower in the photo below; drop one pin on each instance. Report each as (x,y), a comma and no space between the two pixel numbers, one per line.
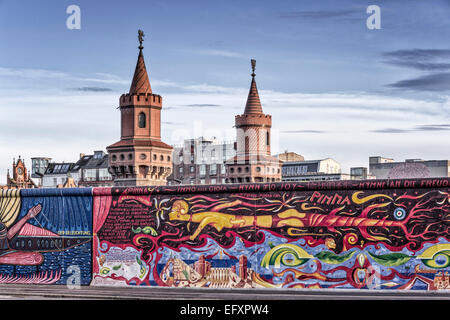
(253,161)
(243,267)
(202,266)
(21,178)
(140,157)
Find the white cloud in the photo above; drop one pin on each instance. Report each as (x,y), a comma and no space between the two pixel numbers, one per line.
(27,74)
(31,73)
(214,52)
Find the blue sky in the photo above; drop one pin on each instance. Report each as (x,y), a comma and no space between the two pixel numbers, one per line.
(334,87)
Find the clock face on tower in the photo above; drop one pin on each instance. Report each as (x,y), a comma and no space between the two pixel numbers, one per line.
(19,170)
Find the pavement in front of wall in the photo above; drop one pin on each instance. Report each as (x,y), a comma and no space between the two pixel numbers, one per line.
(15,291)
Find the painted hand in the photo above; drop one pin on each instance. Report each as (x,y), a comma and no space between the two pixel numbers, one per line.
(33,212)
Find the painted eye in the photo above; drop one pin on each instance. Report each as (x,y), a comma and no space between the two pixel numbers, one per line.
(442,260)
(399,213)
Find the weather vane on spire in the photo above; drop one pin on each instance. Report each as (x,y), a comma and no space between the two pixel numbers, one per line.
(141,38)
(253,67)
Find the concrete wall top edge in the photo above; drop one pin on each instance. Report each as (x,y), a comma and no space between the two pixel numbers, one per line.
(233,188)
(55,192)
(278,186)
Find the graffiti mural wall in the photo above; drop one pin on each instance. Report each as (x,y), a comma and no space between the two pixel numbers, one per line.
(45,236)
(380,234)
(376,234)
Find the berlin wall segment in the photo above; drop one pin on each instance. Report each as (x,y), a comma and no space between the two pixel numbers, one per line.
(375,234)
(46,236)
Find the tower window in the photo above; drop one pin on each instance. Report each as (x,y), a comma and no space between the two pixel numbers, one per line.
(141,120)
(267,138)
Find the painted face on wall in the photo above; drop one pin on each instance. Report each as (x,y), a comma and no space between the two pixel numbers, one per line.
(179,211)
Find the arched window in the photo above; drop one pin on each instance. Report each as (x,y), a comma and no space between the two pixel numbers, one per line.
(141,120)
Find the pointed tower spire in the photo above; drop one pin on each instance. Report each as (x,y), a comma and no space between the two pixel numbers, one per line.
(253,103)
(140,158)
(140,83)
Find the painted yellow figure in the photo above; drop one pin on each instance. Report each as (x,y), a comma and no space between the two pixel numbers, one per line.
(291,218)
(218,220)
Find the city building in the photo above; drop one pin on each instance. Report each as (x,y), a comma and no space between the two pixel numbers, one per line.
(95,171)
(290,156)
(140,157)
(89,171)
(69,183)
(360,173)
(38,167)
(313,170)
(385,168)
(59,174)
(201,161)
(295,168)
(20,177)
(253,161)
